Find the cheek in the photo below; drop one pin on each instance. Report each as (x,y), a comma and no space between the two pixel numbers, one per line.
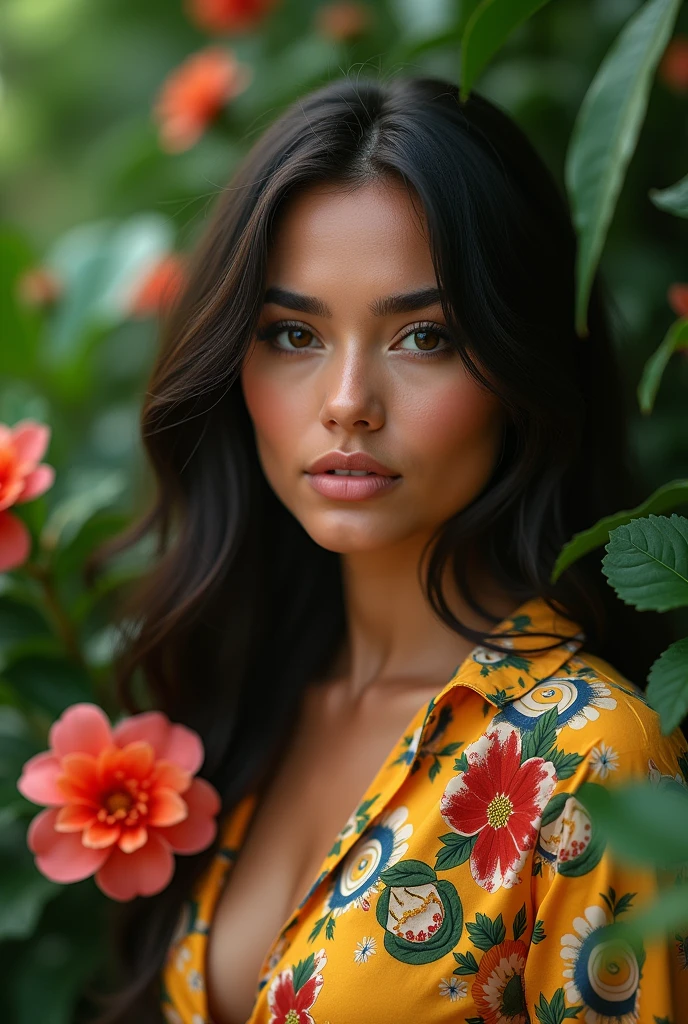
(273,408)
(459,428)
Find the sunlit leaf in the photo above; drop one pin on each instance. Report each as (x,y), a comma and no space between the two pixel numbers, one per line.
(665,498)
(647,562)
(673,199)
(488,27)
(667,688)
(675,339)
(606,131)
(89,492)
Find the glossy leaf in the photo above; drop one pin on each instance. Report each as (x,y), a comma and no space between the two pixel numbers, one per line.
(605,135)
(672,200)
(488,27)
(647,563)
(667,688)
(675,339)
(664,499)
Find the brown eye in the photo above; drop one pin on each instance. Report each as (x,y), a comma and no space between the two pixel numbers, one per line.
(298,337)
(425,340)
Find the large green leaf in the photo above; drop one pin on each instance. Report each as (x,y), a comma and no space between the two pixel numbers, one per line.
(21,325)
(667,688)
(675,339)
(605,134)
(665,914)
(490,24)
(674,199)
(647,563)
(661,811)
(665,498)
(49,684)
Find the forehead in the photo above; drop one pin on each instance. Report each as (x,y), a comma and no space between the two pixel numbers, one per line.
(331,236)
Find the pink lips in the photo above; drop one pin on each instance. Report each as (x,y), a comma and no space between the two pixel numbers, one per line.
(350,488)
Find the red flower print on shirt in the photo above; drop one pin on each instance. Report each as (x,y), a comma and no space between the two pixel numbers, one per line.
(498,801)
(295,989)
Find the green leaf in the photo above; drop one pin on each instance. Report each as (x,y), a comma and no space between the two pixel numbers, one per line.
(520,922)
(606,131)
(663,810)
(663,499)
(24,891)
(538,932)
(662,915)
(19,622)
(20,324)
(88,492)
(647,562)
(486,933)
(565,764)
(667,687)
(49,683)
(490,24)
(673,199)
(539,741)
(457,851)
(674,340)
(468,963)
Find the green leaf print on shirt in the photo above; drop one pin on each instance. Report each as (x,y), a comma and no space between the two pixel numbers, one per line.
(422,915)
(555,1011)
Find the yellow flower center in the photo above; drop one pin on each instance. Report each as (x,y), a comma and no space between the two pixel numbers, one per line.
(292,1017)
(499,810)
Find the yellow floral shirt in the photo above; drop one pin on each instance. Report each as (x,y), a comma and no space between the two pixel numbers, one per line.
(469,885)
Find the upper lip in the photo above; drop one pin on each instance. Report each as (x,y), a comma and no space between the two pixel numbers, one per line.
(352,460)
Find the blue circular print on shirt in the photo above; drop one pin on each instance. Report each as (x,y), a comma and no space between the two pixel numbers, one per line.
(577,701)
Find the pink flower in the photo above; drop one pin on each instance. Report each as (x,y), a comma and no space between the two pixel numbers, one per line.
(499,801)
(21,479)
(194,94)
(673,68)
(292,994)
(121,801)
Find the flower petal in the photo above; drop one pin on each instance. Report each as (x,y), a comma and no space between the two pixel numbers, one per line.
(15,542)
(74,818)
(100,835)
(170,775)
(136,759)
(142,873)
(170,742)
(38,777)
(30,440)
(61,857)
(37,482)
(82,727)
(200,827)
(133,839)
(82,771)
(185,747)
(166,807)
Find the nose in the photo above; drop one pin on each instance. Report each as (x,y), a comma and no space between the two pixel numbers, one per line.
(352,392)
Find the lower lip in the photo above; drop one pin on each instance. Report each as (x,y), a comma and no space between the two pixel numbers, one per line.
(350,488)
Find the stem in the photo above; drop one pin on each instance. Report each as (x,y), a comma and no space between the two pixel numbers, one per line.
(63,623)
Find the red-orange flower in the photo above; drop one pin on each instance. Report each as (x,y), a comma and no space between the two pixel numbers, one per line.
(22,478)
(193,95)
(673,69)
(678,298)
(343,21)
(120,801)
(159,287)
(233,16)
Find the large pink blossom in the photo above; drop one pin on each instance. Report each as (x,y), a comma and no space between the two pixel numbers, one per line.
(22,478)
(120,801)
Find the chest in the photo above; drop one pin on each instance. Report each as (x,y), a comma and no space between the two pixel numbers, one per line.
(327,766)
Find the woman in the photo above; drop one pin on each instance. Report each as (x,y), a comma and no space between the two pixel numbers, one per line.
(373,428)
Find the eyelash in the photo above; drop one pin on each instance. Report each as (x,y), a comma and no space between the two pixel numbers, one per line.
(270,333)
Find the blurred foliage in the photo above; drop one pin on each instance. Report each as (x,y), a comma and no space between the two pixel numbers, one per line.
(96,201)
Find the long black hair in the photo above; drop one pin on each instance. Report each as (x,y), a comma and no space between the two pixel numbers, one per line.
(242,609)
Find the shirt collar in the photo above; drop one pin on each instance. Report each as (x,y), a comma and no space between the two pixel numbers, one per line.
(502,678)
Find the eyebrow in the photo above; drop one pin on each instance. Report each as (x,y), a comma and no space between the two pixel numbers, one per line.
(387,306)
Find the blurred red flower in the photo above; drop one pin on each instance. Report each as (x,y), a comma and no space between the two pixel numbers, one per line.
(678,299)
(159,287)
(673,69)
(343,21)
(228,15)
(193,95)
(22,478)
(120,802)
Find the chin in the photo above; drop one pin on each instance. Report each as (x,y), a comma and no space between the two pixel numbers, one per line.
(348,538)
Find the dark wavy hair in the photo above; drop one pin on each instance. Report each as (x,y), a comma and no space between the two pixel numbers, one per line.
(241,609)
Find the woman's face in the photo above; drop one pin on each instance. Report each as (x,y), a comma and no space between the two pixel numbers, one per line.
(351,354)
